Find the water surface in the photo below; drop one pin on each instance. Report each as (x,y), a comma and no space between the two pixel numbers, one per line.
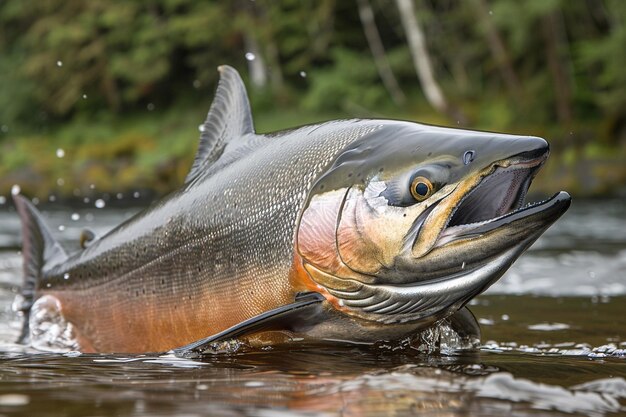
(553,343)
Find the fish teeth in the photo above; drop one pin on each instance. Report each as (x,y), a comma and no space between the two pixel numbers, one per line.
(525,207)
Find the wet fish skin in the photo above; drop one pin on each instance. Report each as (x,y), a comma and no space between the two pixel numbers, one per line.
(215,253)
(231,243)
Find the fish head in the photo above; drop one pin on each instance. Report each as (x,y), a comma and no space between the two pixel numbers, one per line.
(412,221)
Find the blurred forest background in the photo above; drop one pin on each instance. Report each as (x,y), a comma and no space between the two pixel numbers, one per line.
(106,96)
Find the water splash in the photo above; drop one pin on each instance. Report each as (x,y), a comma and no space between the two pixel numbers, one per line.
(614,350)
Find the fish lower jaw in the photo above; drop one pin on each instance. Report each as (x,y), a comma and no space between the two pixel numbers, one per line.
(476,229)
(422,302)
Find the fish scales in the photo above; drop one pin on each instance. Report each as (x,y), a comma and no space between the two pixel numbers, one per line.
(357,231)
(206,258)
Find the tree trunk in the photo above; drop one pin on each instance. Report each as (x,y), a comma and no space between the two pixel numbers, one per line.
(498,50)
(422,62)
(276,72)
(378,52)
(256,66)
(259,12)
(558,70)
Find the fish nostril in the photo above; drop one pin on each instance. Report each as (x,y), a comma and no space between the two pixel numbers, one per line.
(468,156)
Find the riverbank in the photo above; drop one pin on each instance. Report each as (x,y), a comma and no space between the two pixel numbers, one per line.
(151,153)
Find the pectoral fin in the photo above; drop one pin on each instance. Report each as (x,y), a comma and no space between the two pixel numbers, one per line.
(297,316)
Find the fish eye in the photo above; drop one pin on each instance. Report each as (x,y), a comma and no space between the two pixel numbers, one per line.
(421,188)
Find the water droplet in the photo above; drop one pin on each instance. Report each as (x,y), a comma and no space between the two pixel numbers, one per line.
(76,192)
(100,203)
(119,196)
(75,216)
(202,128)
(505,317)
(60,182)
(52,198)
(250,56)
(13,400)
(61,228)
(15,190)
(491,12)
(48,285)
(4,128)
(303,74)
(60,153)
(136,194)
(463,265)
(89,217)
(3,199)
(35,200)
(548,327)
(66,275)
(150,106)
(59,63)
(197,84)
(86,200)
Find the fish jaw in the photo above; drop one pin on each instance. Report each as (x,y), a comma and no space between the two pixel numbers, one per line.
(460,243)
(493,248)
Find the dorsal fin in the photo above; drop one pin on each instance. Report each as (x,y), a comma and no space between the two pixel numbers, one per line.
(39,249)
(229,117)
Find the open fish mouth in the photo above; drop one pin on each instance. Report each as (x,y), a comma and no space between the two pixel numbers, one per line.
(499,199)
(487,228)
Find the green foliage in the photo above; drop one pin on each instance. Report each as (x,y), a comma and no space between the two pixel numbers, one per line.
(350,81)
(604,60)
(93,75)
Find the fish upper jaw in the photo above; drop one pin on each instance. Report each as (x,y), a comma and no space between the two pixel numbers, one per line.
(495,190)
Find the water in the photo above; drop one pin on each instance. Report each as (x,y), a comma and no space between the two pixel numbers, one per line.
(553,343)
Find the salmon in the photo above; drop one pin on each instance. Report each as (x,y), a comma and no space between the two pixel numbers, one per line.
(349,230)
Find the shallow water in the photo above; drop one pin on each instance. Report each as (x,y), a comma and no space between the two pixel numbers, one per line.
(553,343)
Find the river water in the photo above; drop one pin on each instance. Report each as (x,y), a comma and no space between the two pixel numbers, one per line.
(553,343)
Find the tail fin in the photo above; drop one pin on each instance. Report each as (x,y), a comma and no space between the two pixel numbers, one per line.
(39,248)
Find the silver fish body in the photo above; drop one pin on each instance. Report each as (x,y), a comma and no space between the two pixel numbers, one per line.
(326,209)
